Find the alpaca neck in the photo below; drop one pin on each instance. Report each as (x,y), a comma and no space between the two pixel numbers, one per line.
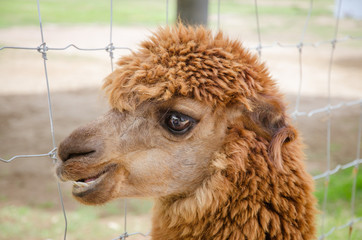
(201,215)
(178,222)
(253,201)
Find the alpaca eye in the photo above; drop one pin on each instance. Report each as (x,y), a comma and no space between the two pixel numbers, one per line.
(178,123)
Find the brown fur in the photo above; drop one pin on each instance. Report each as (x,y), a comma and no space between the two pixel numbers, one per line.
(237,175)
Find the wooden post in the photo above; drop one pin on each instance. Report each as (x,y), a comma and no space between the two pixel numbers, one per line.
(193,12)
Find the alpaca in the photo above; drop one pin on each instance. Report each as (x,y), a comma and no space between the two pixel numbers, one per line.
(198,124)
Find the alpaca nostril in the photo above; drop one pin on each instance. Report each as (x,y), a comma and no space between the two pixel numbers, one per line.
(72,153)
(77,146)
(82,144)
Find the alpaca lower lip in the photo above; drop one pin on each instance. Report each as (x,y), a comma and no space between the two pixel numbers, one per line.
(84,185)
(87,184)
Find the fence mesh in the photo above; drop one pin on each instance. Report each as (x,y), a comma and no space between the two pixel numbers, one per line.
(43,49)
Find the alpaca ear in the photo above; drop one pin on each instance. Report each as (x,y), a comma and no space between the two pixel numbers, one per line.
(268,114)
(283,136)
(268,120)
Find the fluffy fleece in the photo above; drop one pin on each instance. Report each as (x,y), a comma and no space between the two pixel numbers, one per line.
(258,188)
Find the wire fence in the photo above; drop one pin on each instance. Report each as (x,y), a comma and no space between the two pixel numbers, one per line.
(109,47)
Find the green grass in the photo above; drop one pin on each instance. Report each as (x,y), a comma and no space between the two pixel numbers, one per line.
(85,222)
(34,223)
(272,7)
(24,12)
(339,187)
(338,207)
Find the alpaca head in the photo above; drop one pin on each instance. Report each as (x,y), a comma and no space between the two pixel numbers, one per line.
(175,103)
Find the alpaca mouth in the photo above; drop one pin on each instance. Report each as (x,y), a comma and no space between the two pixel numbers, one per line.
(85,184)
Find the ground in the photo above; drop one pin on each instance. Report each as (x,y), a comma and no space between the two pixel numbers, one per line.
(75,78)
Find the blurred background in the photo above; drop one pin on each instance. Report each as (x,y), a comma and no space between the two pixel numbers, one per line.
(29,201)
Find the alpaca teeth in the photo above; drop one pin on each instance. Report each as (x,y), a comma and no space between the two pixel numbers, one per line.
(81,184)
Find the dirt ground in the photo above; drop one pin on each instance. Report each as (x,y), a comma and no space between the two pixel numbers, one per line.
(75,78)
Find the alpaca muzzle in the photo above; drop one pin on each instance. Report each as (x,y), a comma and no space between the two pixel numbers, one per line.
(81,144)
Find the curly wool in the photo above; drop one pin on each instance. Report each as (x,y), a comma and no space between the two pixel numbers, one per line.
(189,62)
(259,203)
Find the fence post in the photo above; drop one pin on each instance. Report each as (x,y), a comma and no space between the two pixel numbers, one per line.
(193,12)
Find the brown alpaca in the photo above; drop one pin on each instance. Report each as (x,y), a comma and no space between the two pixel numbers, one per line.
(198,124)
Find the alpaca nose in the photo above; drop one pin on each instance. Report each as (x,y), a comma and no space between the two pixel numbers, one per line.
(81,143)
